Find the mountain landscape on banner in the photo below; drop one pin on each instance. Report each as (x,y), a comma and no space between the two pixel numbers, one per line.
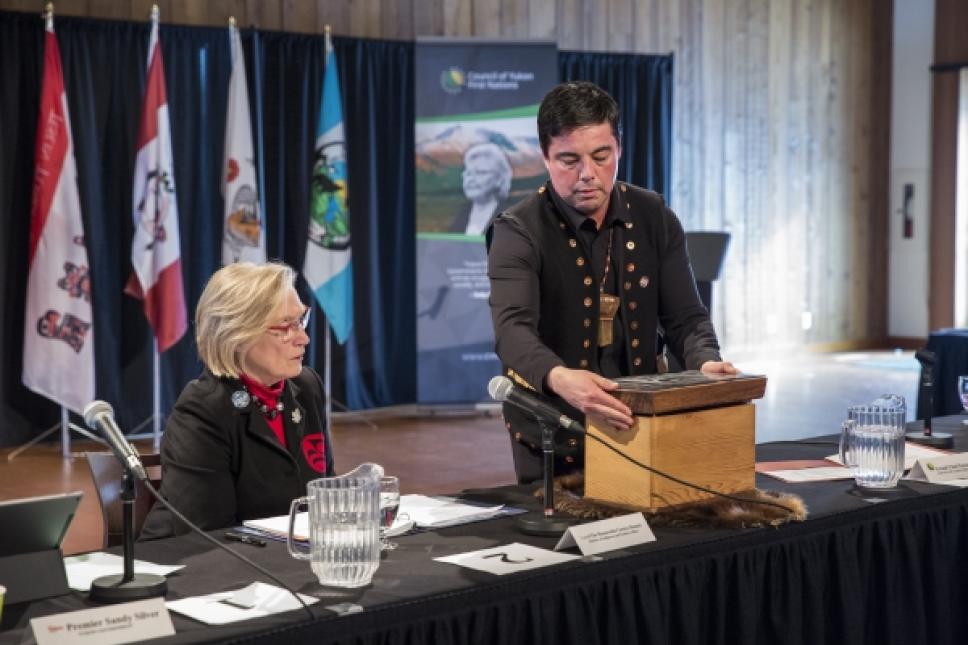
(440,149)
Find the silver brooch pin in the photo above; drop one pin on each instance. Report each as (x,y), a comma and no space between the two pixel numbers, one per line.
(296,416)
(241,399)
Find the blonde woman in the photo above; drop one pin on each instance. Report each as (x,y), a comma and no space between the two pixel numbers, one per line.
(245,437)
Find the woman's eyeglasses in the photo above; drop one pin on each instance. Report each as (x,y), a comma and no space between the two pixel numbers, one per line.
(287,331)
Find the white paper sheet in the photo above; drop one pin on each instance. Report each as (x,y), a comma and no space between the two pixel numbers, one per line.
(84,569)
(279,526)
(510,558)
(819,474)
(438,512)
(912,452)
(254,601)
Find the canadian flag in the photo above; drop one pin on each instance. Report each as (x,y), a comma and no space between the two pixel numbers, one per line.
(58,335)
(155,250)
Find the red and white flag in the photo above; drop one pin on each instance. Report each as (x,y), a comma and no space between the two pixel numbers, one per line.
(58,334)
(243,237)
(155,250)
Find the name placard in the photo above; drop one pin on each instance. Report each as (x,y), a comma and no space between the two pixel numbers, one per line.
(950,469)
(123,623)
(607,535)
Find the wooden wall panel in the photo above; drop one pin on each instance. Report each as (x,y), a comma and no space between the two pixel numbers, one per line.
(779,129)
(950,47)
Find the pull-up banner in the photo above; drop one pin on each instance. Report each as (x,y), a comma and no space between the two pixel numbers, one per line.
(477,153)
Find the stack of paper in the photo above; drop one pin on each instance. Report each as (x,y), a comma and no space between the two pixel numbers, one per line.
(420,510)
(438,512)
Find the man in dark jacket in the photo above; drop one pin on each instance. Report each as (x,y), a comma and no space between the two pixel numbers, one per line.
(584,275)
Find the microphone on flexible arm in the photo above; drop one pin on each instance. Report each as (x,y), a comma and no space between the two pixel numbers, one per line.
(550,524)
(129,585)
(100,415)
(501,388)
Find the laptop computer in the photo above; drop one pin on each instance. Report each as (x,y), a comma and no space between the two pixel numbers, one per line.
(33,528)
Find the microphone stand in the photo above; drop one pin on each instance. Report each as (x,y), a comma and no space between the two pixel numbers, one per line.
(129,585)
(548,524)
(928,438)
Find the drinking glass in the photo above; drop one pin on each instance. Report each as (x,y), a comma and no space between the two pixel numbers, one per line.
(389,506)
(963,394)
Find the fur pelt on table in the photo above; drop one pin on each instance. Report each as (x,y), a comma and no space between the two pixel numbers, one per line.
(715,512)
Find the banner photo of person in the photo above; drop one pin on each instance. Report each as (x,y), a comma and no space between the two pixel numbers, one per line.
(477,153)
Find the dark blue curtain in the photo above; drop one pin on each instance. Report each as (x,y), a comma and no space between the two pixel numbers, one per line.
(104,69)
(642,86)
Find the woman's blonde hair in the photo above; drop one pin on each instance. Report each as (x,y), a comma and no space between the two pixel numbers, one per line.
(235,309)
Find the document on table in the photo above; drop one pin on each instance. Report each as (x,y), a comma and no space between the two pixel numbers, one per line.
(912,452)
(799,472)
(84,569)
(278,527)
(254,601)
(439,512)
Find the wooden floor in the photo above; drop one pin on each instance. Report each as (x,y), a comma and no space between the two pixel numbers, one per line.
(806,396)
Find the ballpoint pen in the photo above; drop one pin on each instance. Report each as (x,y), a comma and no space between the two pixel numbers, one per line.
(244,539)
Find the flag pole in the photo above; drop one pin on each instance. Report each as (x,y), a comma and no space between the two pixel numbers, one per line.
(156,396)
(327,375)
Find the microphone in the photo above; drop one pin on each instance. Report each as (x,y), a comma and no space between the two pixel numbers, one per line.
(501,388)
(99,415)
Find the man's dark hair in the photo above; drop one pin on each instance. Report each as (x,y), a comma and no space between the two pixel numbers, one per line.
(573,105)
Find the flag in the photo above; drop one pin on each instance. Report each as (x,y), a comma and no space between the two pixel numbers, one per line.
(243,237)
(155,250)
(58,334)
(328,267)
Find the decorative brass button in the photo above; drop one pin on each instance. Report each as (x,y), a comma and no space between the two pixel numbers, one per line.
(588,302)
(561,225)
(634,325)
(587,322)
(630,245)
(586,343)
(583,362)
(573,442)
(630,267)
(569,459)
(644,281)
(572,242)
(517,436)
(637,362)
(635,342)
(627,285)
(541,190)
(623,187)
(580,262)
(587,280)
(628,224)
(633,306)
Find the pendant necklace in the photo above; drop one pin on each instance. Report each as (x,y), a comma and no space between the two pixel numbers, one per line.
(607,303)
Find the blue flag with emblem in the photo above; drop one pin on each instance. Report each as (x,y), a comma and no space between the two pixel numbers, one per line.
(328,266)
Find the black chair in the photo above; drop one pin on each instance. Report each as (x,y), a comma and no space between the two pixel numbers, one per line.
(707,251)
(108,477)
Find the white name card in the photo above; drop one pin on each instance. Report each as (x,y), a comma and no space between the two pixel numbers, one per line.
(124,623)
(607,535)
(950,469)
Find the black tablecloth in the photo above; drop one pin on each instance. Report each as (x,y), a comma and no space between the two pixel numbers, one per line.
(864,568)
(951,349)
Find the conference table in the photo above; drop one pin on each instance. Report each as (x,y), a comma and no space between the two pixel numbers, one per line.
(865,567)
(950,347)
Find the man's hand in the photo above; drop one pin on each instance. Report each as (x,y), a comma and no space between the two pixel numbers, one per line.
(717,367)
(589,393)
